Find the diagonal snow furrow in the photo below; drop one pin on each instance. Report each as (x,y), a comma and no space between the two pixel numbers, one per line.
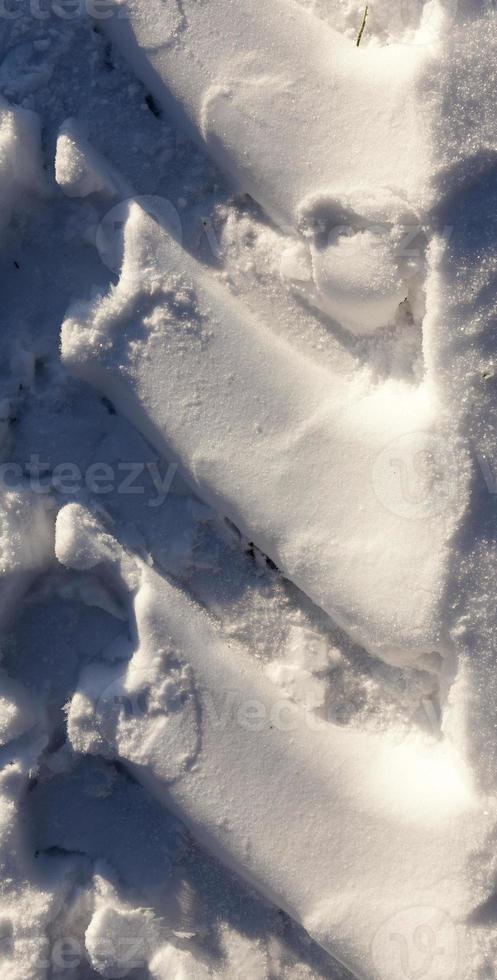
(357,796)
(348,146)
(352,834)
(271,111)
(302,127)
(354,490)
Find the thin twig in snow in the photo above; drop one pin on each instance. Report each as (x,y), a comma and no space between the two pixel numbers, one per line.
(361,32)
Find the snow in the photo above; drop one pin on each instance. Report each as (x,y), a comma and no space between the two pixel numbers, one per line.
(213,736)
(343,268)
(306,434)
(258,98)
(247,484)
(21,172)
(78,169)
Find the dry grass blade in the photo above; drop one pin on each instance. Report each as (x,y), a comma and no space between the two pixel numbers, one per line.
(363,25)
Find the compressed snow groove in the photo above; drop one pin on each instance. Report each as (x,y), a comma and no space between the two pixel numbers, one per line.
(351,834)
(303,461)
(280,132)
(275,126)
(361,491)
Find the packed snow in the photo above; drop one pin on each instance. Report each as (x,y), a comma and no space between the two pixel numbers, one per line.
(248,447)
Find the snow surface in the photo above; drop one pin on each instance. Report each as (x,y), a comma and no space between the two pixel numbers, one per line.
(247,431)
(306,434)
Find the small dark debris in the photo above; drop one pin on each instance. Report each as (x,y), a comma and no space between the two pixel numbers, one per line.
(108,60)
(106,402)
(152,105)
(16,263)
